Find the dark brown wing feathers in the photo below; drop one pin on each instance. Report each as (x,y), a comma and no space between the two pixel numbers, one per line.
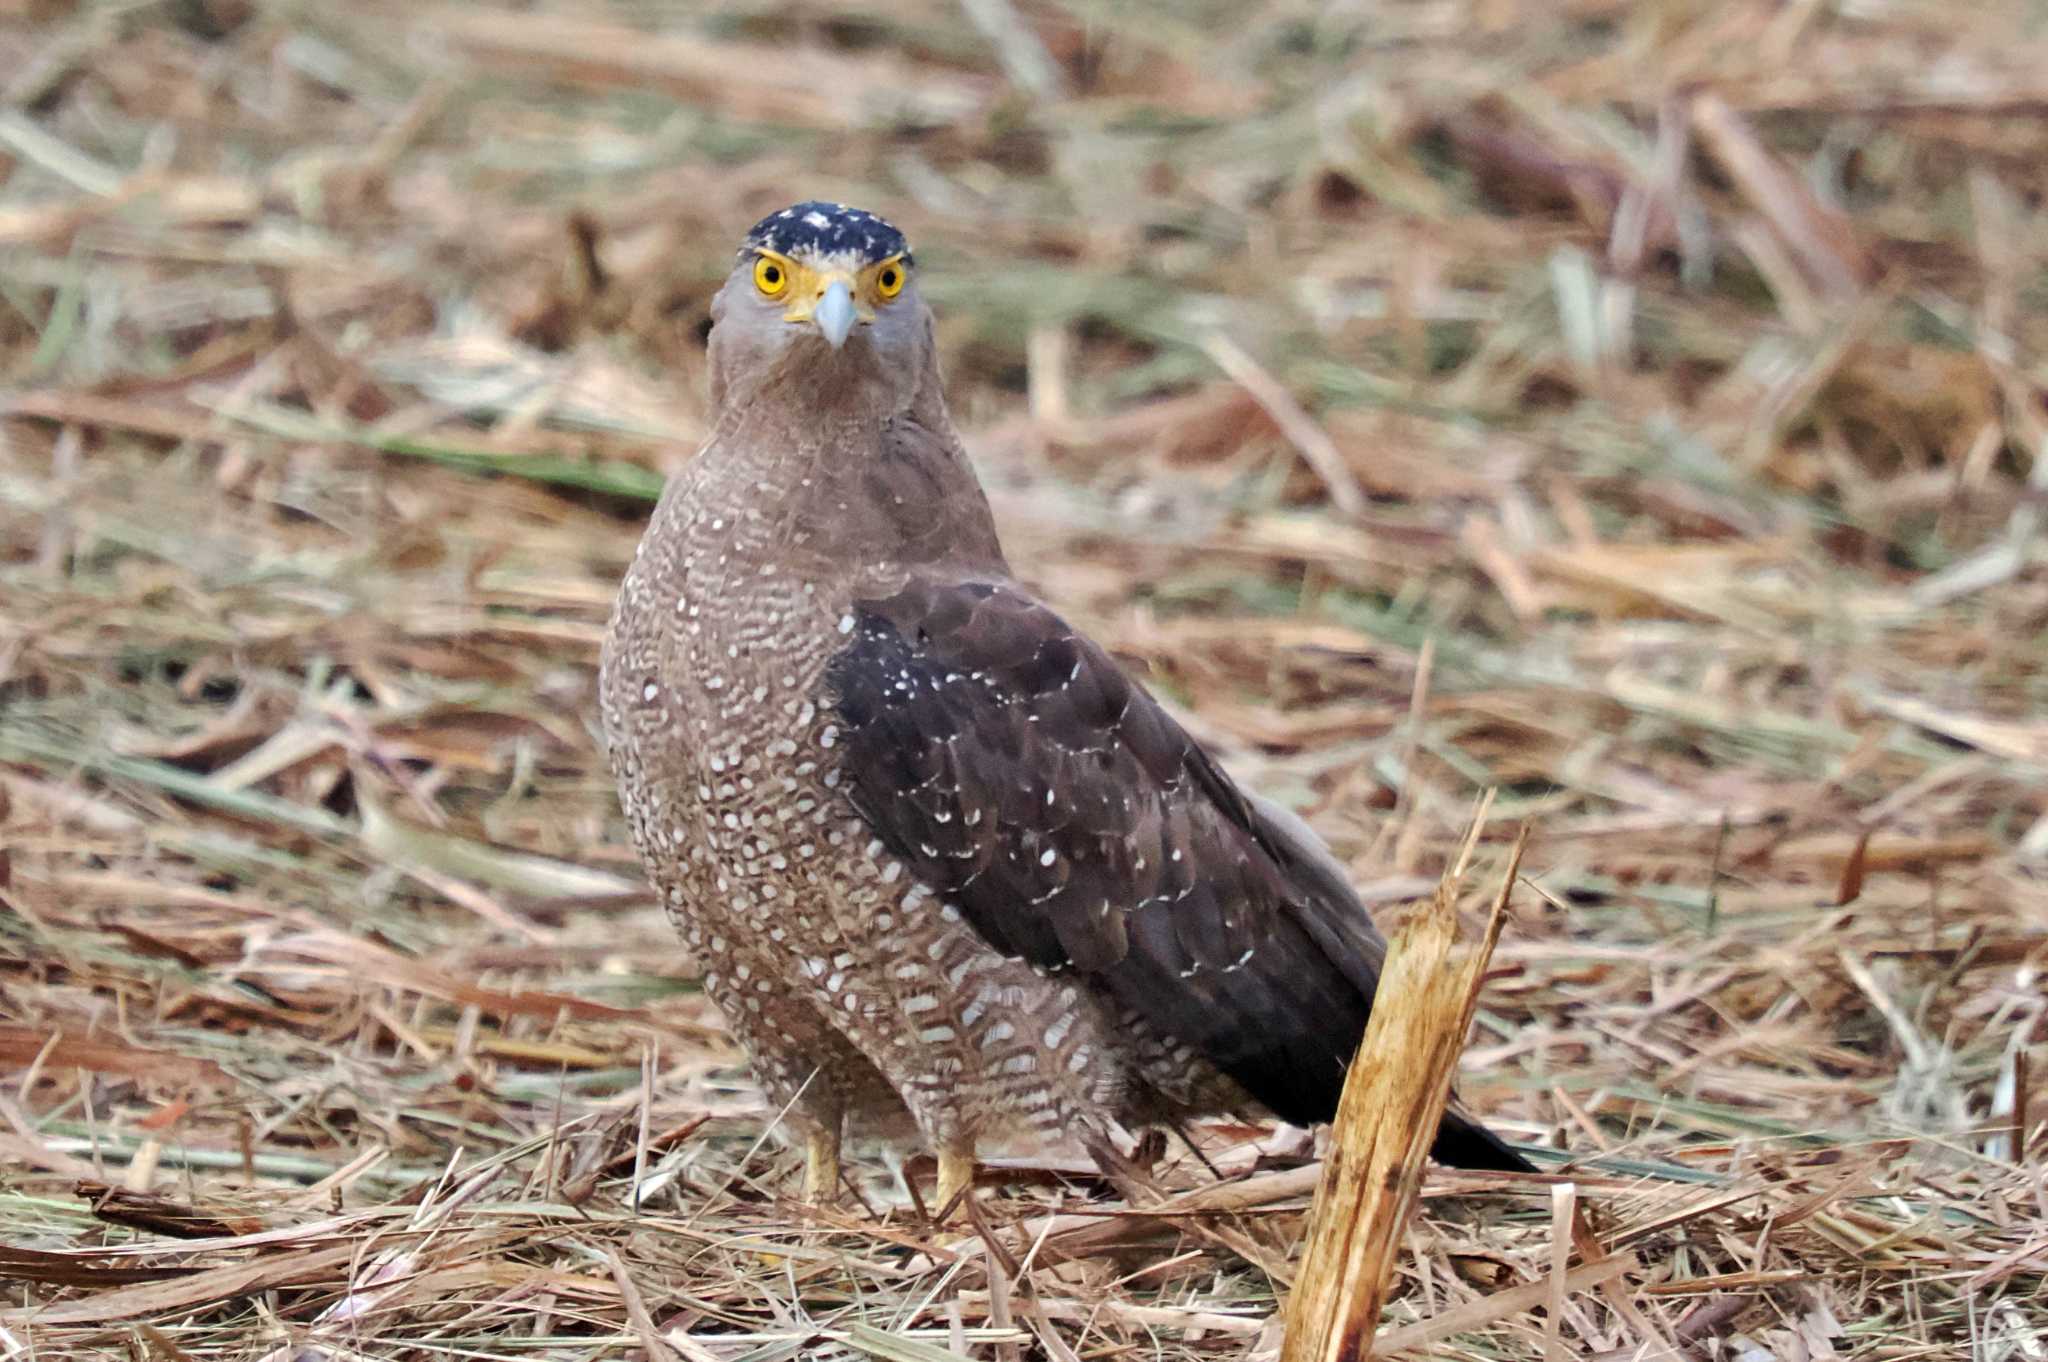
(1016,768)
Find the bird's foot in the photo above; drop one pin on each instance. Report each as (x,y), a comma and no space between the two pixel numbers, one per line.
(956,1178)
(821,1167)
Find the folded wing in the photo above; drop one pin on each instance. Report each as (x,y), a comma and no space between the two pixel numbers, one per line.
(1012,765)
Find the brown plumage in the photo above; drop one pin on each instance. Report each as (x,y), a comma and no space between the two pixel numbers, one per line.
(939,856)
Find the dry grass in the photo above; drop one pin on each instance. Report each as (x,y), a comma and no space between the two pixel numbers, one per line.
(1639,408)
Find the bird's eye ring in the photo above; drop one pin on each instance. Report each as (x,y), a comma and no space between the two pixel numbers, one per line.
(770,277)
(889,282)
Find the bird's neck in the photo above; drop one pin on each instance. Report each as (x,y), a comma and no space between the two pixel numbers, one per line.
(834,491)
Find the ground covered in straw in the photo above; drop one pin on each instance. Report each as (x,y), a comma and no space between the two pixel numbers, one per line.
(1636,408)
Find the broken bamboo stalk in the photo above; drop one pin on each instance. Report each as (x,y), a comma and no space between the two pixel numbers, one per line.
(1393,1099)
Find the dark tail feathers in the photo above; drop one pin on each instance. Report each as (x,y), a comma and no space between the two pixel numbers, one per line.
(1462,1142)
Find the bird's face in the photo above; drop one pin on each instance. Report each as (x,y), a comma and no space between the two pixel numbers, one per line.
(821,293)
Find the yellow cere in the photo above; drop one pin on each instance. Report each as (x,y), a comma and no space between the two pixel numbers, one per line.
(779,276)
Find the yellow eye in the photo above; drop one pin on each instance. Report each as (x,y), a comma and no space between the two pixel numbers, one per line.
(770,277)
(889,282)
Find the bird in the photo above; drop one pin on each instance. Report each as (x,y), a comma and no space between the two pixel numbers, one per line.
(951,873)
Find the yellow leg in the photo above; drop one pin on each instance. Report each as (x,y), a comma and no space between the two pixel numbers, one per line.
(956,1174)
(821,1165)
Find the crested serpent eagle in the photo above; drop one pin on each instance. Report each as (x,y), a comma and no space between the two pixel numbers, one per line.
(946,866)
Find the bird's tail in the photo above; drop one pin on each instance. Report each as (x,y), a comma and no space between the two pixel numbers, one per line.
(1462,1142)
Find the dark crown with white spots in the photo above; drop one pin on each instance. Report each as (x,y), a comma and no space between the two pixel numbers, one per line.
(816,227)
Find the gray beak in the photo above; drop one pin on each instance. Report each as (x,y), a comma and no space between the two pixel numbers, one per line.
(834,314)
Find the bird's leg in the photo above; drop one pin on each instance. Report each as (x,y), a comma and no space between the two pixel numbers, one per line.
(1125,1174)
(821,1163)
(956,1172)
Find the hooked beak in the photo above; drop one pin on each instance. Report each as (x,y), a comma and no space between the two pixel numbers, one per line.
(834,313)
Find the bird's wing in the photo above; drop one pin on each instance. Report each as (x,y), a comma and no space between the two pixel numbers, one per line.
(1014,766)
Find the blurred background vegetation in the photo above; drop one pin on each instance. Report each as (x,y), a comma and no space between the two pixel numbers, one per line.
(1635,407)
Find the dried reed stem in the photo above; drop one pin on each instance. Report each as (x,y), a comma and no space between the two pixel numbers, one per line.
(1387,1118)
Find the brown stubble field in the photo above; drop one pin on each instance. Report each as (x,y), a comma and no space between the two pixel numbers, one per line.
(1635,408)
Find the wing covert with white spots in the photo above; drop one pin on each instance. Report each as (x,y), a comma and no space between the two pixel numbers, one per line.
(1017,768)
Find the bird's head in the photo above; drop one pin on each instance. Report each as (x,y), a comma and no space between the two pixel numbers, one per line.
(821,292)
